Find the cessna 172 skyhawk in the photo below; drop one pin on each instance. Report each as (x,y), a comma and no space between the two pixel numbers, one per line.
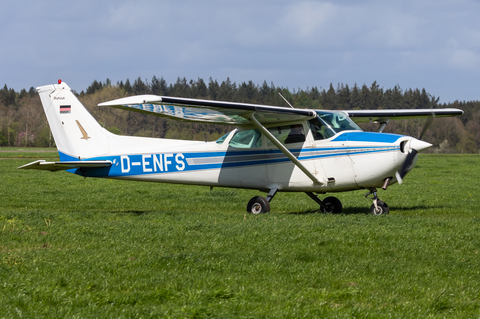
(272,149)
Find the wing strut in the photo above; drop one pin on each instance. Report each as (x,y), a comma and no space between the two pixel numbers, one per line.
(284,150)
(382,125)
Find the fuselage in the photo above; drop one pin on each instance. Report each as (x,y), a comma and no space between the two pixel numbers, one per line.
(342,156)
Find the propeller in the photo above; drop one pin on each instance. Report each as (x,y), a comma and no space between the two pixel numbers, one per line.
(426,126)
(406,165)
(415,146)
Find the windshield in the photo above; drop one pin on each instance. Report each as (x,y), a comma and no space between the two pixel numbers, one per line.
(336,122)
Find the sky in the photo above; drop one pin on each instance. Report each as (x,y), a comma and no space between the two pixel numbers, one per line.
(431,44)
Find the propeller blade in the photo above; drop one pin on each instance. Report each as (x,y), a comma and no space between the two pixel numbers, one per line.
(415,147)
(406,165)
(427,124)
(399,179)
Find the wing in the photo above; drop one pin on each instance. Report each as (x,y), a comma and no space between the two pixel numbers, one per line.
(207,111)
(383,116)
(60,166)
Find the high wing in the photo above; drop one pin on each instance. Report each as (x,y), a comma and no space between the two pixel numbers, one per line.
(60,166)
(206,111)
(220,112)
(382,116)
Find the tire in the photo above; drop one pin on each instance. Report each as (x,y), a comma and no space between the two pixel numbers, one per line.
(383,208)
(258,205)
(332,205)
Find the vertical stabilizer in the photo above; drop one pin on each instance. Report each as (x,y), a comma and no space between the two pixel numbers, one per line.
(76,132)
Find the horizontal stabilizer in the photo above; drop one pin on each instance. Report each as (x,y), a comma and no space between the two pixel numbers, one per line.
(60,166)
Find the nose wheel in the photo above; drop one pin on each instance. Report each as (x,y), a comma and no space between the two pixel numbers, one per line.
(378,207)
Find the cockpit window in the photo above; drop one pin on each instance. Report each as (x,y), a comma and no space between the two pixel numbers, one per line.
(329,123)
(222,139)
(246,139)
(287,134)
(320,130)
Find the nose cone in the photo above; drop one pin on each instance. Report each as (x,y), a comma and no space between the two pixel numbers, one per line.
(419,145)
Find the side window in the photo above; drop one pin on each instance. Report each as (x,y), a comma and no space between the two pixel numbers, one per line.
(287,134)
(246,139)
(319,130)
(222,139)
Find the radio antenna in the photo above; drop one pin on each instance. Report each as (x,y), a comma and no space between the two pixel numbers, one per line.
(285,100)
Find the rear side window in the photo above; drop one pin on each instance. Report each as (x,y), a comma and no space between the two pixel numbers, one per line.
(246,139)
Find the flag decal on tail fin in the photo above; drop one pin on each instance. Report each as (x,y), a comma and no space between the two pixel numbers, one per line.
(84,133)
(65,109)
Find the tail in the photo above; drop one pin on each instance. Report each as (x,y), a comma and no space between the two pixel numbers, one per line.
(76,132)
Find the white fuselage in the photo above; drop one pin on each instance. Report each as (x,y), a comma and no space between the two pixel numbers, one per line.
(323,151)
(349,160)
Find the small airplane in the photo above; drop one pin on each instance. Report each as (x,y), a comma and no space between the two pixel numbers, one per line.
(273,149)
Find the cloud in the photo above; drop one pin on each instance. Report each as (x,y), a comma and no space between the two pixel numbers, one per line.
(357,24)
(290,43)
(308,19)
(464,59)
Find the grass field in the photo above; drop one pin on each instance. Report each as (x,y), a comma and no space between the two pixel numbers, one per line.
(74,247)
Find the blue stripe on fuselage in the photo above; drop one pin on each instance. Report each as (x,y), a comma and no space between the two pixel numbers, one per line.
(367,137)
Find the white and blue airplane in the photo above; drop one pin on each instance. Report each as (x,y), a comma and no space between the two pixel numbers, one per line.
(273,149)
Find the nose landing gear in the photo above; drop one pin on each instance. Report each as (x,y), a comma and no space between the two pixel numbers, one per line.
(378,207)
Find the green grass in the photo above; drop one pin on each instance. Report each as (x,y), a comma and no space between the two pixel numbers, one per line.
(71,247)
(29,152)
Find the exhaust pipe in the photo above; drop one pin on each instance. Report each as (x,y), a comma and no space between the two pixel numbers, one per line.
(385,183)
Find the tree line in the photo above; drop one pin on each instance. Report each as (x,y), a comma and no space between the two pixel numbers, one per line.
(23,123)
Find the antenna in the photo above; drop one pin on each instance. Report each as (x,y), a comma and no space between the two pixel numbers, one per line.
(285,100)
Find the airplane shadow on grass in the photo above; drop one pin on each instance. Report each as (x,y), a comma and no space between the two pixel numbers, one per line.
(346,211)
(133,212)
(366,211)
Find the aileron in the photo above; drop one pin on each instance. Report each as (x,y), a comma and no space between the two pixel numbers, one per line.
(397,114)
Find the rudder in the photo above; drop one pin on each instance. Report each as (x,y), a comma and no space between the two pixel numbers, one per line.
(76,132)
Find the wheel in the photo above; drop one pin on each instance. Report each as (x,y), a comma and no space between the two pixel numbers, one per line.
(383,208)
(258,205)
(332,205)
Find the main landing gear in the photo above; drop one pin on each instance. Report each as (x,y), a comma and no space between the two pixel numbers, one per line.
(260,205)
(330,205)
(378,207)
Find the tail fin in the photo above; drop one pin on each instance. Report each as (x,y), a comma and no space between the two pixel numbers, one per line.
(76,132)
